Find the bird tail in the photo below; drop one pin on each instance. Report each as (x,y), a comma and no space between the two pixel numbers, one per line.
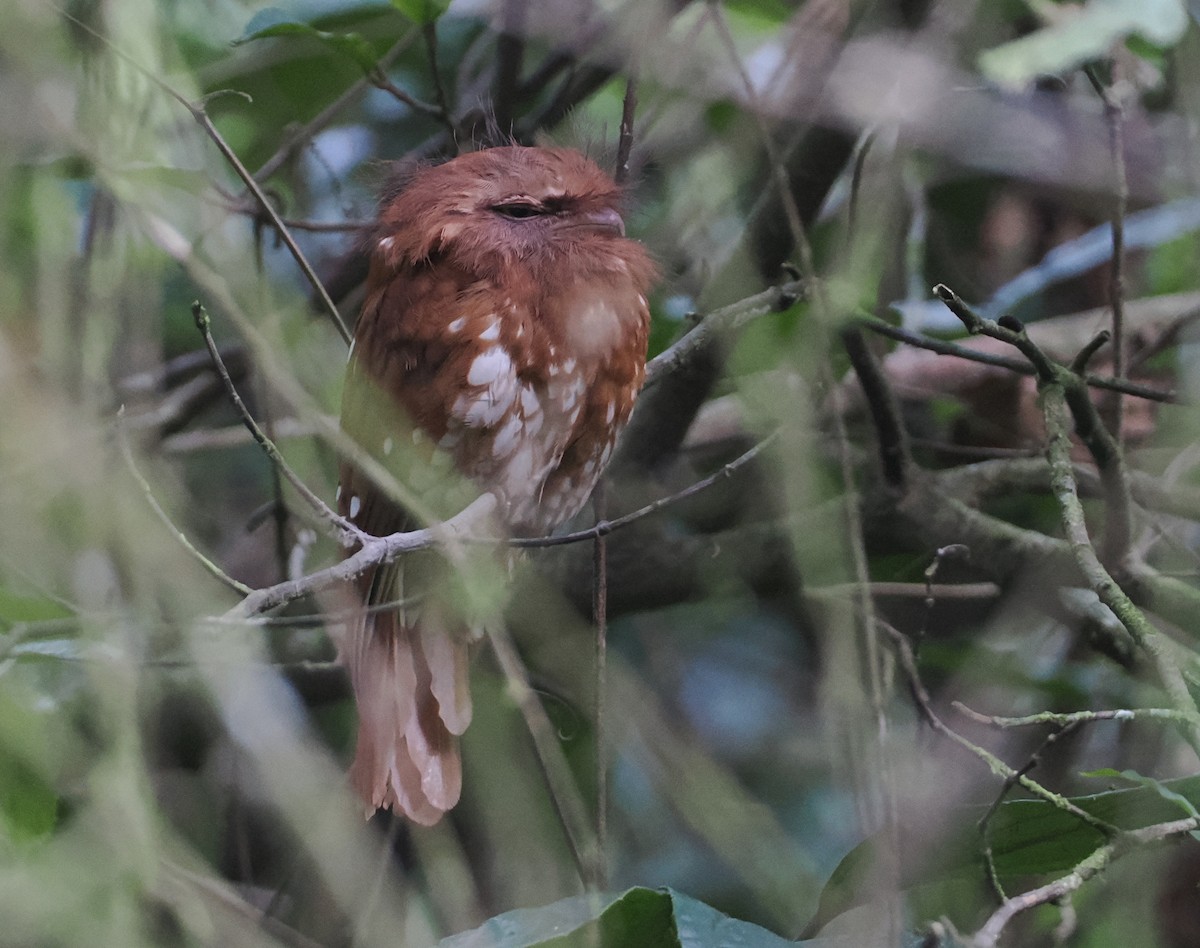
(409,674)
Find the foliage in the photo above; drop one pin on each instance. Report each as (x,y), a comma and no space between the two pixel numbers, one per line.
(912,660)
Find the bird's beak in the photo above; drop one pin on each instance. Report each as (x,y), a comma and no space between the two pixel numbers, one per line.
(604,221)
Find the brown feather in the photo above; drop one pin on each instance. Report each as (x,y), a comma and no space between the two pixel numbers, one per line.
(503,337)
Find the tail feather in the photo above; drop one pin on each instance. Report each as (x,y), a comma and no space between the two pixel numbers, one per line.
(411,690)
(447,660)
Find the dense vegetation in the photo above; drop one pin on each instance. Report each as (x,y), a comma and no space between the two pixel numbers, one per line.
(916,662)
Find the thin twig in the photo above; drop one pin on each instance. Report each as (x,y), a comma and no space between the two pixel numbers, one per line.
(148,492)
(560,783)
(942,347)
(1072,717)
(985,823)
(720,323)
(200,115)
(1062,481)
(600,620)
(510,54)
(625,139)
(231,205)
(791,210)
(1114,114)
(894,464)
(429,33)
(998,767)
(1096,862)
(314,125)
(345,532)
(380,80)
(374,551)
(605,527)
(379,550)
(952,550)
(1088,424)
(894,455)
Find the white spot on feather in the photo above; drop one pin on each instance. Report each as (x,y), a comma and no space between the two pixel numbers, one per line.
(385,243)
(355,506)
(457,324)
(488,366)
(529,401)
(506,438)
(492,333)
(493,371)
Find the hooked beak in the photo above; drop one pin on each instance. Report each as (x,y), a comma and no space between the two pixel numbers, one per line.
(603,221)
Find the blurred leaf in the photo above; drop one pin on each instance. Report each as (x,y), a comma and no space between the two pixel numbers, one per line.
(351,45)
(17,608)
(654,918)
(1086,34)
(1028,837)
(69,649)
(134,183)
(1150,783)
(421,11)
(28,804)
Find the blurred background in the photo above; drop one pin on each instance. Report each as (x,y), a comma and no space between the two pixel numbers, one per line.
(171,775)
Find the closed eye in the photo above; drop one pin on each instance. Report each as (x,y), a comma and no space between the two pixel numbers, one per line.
(519,210)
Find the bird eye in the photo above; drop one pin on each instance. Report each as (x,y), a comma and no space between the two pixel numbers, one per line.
(518,210)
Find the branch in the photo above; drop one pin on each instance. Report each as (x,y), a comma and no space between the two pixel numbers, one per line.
(1099,860)
(1115,116)
(568,803)
(604,527)
(625,140)
(310,128)
(1062,481)
(998,767)
(148,492)
(380,81)
(894,455)
(374,551)
(346,533)
(721,325)
(1100,443)
(942,347)
(1071,718)
(201,116)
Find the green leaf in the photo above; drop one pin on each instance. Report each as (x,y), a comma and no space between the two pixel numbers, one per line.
(1084,35)
(351,45)
(1179,799)
(28,806)
(29,744)
(15,607)
(422,12)
(1028,837)
(636,918)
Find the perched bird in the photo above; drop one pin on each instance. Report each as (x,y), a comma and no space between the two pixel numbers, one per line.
(502,338)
